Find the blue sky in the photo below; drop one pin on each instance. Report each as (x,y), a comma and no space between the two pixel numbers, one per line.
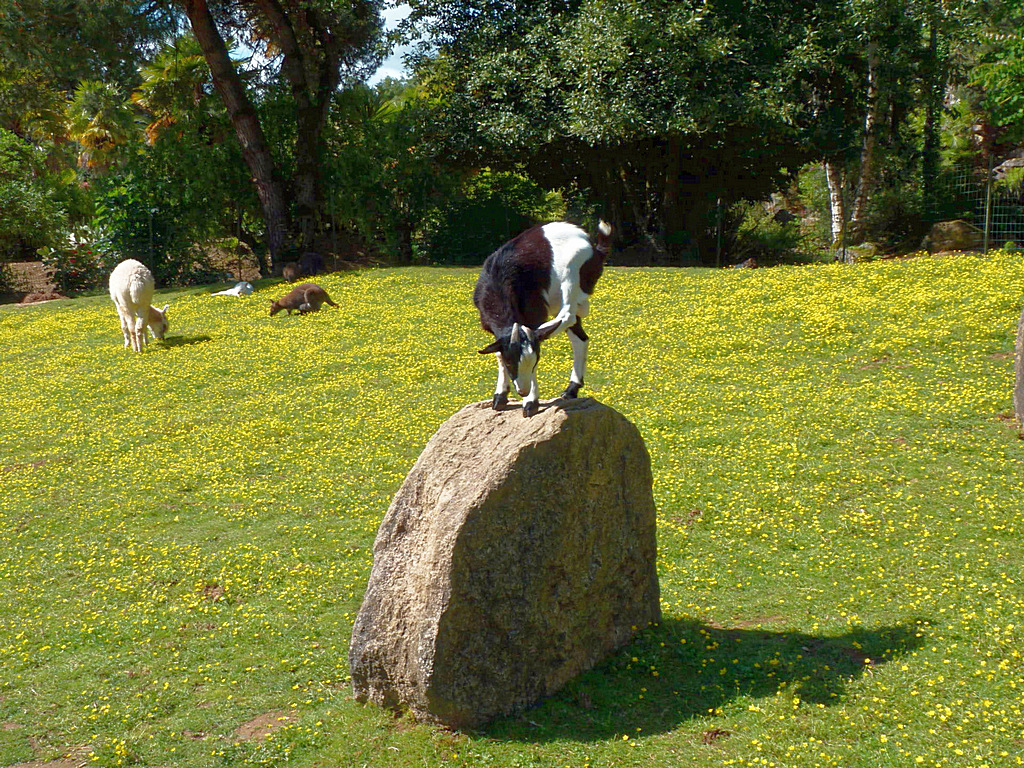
(392,66)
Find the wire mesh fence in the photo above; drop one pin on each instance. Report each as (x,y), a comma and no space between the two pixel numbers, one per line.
(975,194)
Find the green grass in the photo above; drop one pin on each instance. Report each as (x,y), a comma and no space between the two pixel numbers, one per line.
(185,535)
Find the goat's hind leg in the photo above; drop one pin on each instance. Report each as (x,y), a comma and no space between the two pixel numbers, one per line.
(578,339)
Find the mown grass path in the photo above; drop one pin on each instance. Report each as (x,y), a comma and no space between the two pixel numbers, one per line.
(185,535)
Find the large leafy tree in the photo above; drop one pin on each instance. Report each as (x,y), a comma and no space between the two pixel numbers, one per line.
(314,46)
(664,110)
(65,41)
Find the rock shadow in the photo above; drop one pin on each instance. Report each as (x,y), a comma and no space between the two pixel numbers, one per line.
(682,669)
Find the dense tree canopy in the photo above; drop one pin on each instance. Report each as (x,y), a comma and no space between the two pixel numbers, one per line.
(664,110)
(153,128)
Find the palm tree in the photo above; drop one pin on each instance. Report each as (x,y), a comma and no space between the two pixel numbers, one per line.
(102,121)
(177,87)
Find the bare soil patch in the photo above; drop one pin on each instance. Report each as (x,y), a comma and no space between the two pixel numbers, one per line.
(262,726)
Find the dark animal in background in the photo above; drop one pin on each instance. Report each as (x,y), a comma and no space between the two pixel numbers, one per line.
(308,297)
(291,272)
(311,263)
(550,269)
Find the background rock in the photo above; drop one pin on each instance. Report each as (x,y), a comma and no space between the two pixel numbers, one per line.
(953,235)
(517,553)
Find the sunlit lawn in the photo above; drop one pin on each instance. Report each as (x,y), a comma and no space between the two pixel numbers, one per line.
(185,534)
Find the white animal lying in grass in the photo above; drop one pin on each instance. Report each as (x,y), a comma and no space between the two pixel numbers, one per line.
(131,288)
(243,288)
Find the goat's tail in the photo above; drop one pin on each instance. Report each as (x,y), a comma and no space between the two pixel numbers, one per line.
(603,239)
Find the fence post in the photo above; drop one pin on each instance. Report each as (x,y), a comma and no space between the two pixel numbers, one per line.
(988,202)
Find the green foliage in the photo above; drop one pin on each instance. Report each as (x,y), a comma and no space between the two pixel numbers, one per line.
(656,109)
(1012,181)
(103,122)
(32,211)
(812,187)
(763,238)
(1001,78)
(65,41)
(382,181)
(490,208)
(79,266)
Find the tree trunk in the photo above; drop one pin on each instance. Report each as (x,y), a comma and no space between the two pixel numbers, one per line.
(313,73)
(933,90)
(866,182)
(255,148)
(836,203)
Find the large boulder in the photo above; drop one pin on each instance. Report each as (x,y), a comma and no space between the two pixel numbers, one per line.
(955,235)
(517,554)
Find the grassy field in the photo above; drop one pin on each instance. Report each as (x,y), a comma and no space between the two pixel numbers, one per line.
(185,535)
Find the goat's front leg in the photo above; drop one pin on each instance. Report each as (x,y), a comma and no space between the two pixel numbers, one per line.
(531,403)
(578,339)
(501,390)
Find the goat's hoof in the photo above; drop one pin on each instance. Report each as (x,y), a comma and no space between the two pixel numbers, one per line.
(530,408)
(500,400)
(571,391)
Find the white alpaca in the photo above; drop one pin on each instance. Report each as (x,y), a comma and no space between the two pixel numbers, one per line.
(131,288)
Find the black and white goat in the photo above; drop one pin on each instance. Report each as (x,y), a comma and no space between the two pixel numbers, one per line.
(548,270)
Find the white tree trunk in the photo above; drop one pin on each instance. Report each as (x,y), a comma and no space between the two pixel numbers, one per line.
(837,207)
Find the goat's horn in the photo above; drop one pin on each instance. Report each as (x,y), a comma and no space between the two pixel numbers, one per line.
(515,332)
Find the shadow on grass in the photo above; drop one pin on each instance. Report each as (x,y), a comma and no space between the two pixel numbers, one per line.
(684,669)
(184,341)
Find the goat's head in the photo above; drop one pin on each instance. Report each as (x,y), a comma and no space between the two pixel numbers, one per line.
(158,321)
(519,351)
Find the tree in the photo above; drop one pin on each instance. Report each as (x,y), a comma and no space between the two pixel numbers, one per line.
(102,120)
(661,110)
(319,44)
(65,41)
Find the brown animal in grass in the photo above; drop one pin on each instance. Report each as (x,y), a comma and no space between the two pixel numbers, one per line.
(304,298)
(291,272)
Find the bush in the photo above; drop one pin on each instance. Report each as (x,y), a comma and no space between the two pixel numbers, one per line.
(30,214)
(78,267)
(760,236)
(493,207)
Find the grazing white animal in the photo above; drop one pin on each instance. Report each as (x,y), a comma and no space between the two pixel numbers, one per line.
(131,288)
(243,288)
(548,270)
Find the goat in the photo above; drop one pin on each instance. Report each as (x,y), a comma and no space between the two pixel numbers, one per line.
(307,297)
(549,269)
(131,288)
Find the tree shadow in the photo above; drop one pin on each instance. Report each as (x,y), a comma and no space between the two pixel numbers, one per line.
(184,341)
(682,669)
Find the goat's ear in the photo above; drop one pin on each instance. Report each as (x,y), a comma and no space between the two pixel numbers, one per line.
(494,346)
